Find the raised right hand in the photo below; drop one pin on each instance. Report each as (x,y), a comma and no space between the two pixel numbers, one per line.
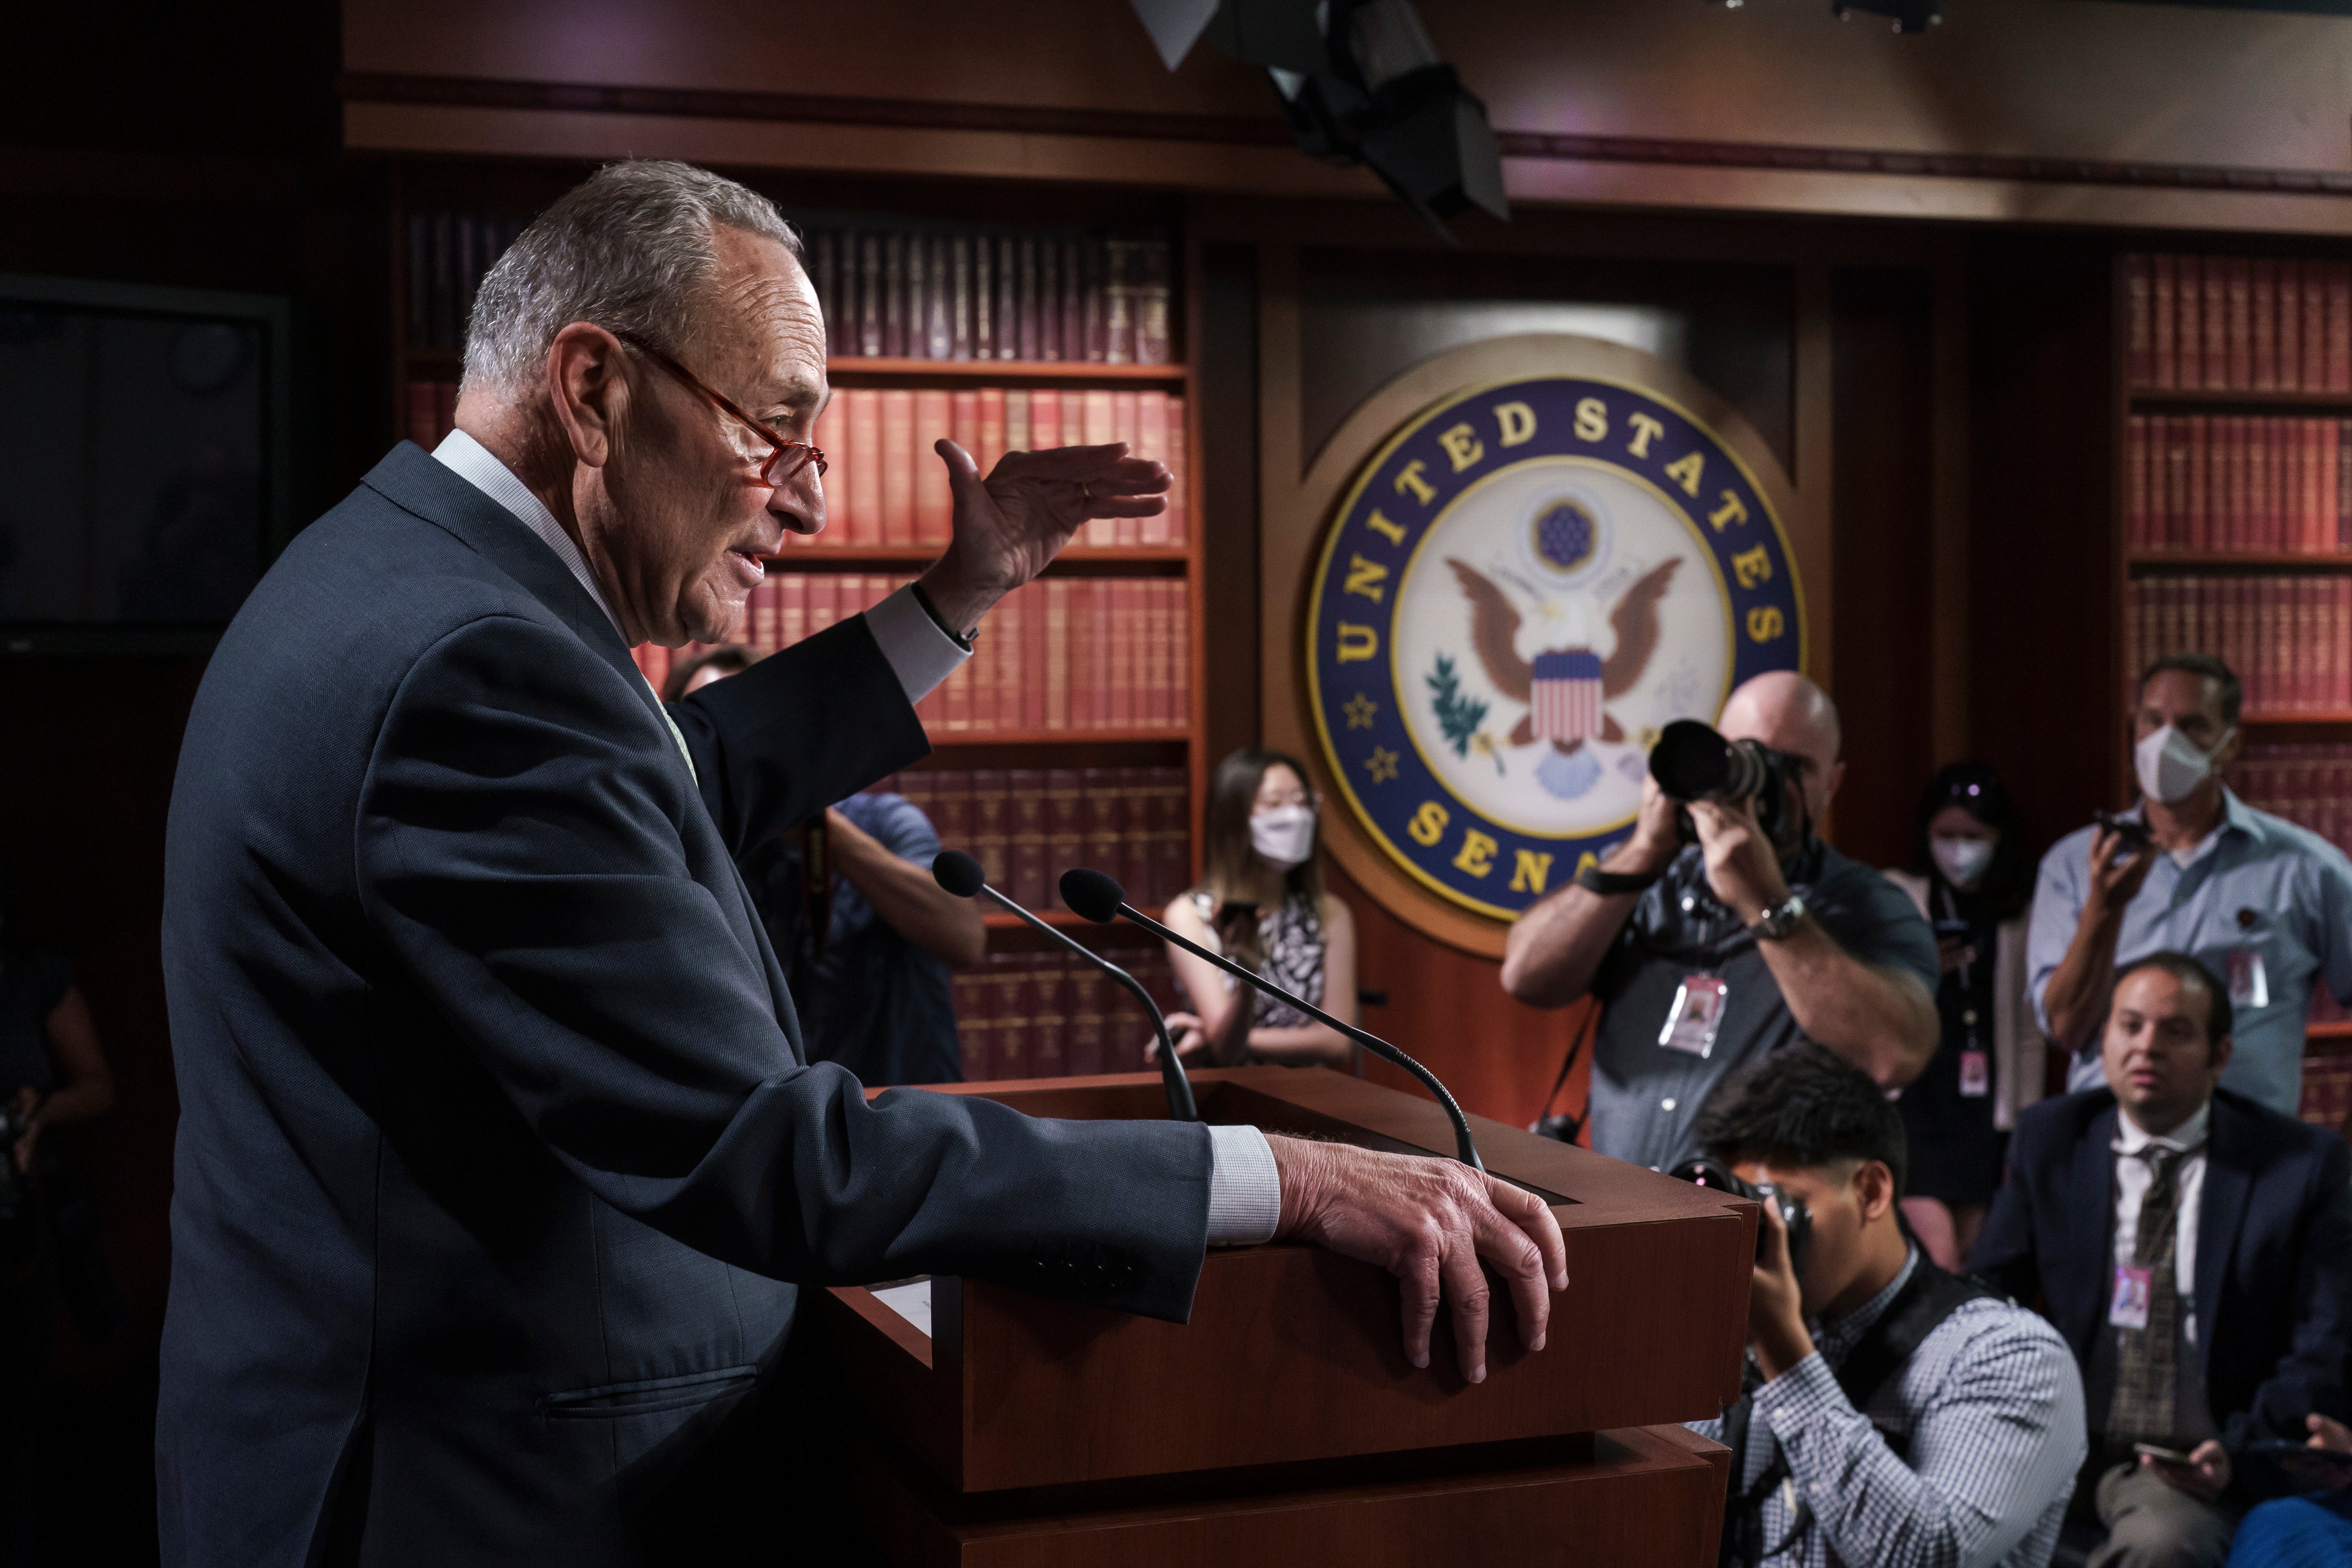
(1429,1222)
(2115,879)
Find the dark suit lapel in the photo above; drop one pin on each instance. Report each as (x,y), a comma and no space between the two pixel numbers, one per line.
(412,480)
(2230,1159)
(2091,1195)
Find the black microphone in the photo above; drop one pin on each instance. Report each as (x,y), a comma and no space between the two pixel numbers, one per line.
(959,874)
(1102,900)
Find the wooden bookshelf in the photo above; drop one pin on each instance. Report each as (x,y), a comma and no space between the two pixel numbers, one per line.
(1018,370)
(2240,559)
(512,188)
(2195,400)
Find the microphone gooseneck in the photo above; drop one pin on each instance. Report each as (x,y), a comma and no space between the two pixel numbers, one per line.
(961,875)
(1100,898)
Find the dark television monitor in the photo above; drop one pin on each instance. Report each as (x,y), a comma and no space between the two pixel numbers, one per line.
(145,451)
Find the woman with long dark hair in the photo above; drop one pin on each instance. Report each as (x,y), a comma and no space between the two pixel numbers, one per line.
(1260,902)
(1972,877)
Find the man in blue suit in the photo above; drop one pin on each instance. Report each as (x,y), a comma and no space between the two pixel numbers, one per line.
(2196,1250)
(499,1161)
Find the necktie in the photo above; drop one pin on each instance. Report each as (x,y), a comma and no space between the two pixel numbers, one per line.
(2146,1360)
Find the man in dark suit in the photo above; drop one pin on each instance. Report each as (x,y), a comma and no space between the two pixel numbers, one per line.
(499,1161)
(2196,1250)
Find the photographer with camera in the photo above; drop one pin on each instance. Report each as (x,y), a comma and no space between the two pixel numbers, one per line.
(2263,903)
(1709,955)
(1893,1414)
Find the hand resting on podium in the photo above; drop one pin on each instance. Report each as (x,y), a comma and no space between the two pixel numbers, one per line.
(1429,1222)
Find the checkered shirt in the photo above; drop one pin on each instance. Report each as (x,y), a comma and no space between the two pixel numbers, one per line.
(1986,1425)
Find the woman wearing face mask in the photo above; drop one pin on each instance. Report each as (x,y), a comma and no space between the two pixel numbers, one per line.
(1260,902)
(1973,879)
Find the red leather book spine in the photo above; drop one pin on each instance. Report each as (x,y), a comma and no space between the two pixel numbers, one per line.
(1035,612)
(1151,445)
(1106,813)
(2339,326)
(2216,322)
(1044,419)
(1100,429)
(1065,833)
(934,417)
(1049,1024)
(2141,362)
(2315,326)
(1083,1050)
(2263,323)
(1014,1048)
(2195,532)
(992,429)
(862,509)
(1172,838)
(1016,421)
(2163,360)
(1180,492)
(1025,795)
(964,415)
(974,996)
(1133,866)
(992,843)
(2290,326)
(1057,663)
(2238,280)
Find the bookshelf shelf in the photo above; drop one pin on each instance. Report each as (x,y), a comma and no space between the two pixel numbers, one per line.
(2288,561)
(1165,736)
(1077,559)
(2334,1029)
(2196,398)
(2291,720)
(997,919)
(1002,370)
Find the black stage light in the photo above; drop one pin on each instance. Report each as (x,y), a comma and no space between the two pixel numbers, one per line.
(1361,83)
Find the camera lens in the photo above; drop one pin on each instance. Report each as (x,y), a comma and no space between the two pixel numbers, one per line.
(1691,761)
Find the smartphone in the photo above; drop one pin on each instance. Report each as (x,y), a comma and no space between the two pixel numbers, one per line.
(1951,928)
(2131,833)
(2163,1455)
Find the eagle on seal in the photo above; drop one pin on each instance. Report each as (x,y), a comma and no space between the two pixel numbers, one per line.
(1494,629)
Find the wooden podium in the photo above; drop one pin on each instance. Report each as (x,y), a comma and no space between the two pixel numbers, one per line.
(1283,1423)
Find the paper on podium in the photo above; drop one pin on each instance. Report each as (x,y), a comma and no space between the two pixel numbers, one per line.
(912,1302)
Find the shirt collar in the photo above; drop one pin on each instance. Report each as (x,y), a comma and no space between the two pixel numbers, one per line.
(1842,1332)
(477,465)
(2131,1138)
(2235,814)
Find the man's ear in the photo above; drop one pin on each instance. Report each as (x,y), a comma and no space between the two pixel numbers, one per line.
(2222,1050)
(1874,1189)
(1837,777)
(588,387)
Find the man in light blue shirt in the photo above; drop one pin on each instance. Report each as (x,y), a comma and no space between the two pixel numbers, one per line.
(2262,902)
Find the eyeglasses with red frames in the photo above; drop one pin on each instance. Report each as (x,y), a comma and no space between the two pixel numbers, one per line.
(788,458)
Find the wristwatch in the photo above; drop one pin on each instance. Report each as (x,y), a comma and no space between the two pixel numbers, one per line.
(1775,924)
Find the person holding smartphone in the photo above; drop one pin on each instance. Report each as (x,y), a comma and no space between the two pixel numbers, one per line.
(2310,1531)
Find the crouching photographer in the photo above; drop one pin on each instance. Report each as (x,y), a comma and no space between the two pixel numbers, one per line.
(1894,1414)
(1724,929)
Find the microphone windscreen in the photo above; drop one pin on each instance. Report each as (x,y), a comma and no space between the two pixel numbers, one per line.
(1092,895)
(958,872)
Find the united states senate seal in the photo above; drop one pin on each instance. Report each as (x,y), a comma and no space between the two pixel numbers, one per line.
(1521,588)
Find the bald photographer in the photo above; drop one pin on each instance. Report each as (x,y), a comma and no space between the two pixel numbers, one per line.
(1711,955)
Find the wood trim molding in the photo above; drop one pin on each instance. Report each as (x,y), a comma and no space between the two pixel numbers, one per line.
(1266,131)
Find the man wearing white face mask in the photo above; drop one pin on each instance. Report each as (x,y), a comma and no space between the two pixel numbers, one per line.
(2262,902)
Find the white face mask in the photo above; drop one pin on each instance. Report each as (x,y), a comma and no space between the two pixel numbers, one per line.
(1962,861)
(1285,836)
(2170,766)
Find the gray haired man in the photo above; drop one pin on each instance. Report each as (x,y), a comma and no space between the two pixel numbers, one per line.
(499,1159)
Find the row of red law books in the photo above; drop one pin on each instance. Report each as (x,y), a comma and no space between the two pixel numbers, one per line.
(1046,1015)
(2288,638)
(992,295)
(2238,323)
(2310,786)
(1027,825)
(2221,483)
(885,486)
(1061,655)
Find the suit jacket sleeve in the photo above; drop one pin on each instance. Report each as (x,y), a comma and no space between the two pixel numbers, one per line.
(521,852)
(2003,1255)
(751,734)
(2311,1376)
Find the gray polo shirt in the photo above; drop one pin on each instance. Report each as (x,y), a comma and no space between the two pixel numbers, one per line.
(1645,1096)
(2259,889)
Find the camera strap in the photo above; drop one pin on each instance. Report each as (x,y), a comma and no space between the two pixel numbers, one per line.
(1565,1126)
(1926,1299)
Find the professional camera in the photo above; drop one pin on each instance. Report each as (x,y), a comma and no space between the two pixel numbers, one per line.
(1796,1216)
(1692,762)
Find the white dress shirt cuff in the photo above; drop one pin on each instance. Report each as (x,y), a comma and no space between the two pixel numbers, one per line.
(920,655)
(1244,1189)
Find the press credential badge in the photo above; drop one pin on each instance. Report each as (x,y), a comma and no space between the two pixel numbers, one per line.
(1697,1014)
